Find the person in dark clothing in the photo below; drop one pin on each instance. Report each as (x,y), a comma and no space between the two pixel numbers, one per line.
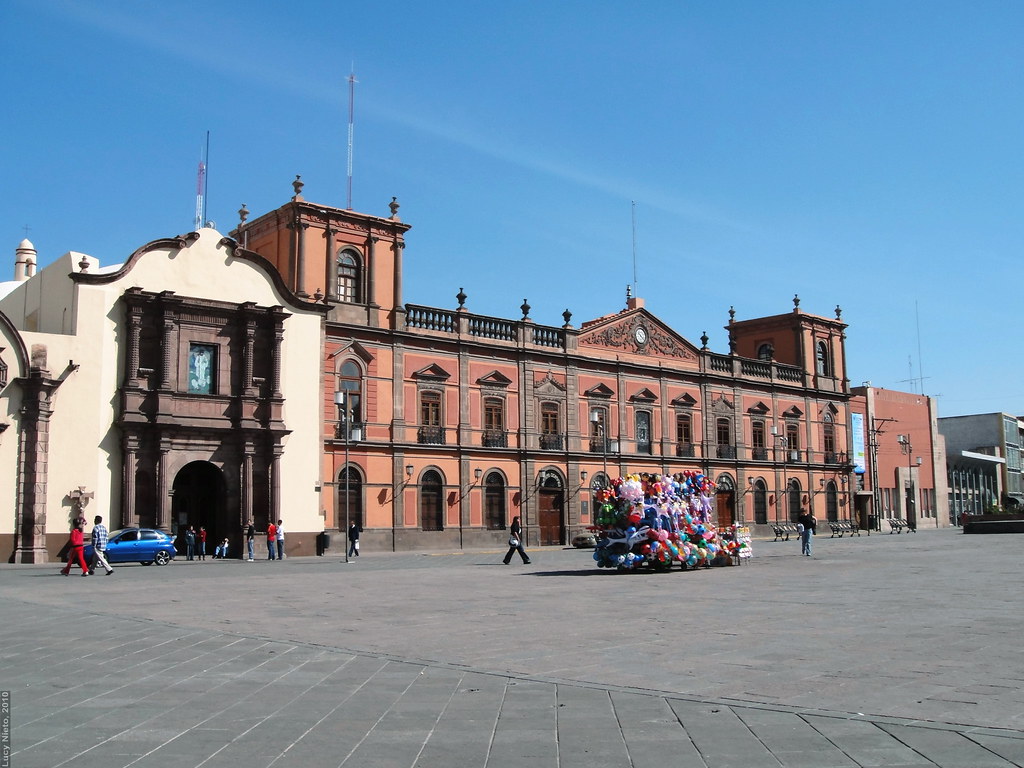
(353,540)
(515,542)
(806,519)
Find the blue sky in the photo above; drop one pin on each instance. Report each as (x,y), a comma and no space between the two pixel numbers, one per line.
(865,154)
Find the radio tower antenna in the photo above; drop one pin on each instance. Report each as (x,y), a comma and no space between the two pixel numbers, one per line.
(351,128)
(201,184)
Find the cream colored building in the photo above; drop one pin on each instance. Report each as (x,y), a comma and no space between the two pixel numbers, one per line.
(181,387)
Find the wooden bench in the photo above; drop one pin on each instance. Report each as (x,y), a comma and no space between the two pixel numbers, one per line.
(910,528)
(840,527)
(895,525)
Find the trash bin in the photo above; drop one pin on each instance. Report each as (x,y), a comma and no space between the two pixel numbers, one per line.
(323,542)
(871,523)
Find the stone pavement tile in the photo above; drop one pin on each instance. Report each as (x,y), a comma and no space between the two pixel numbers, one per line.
(946,748)
(864,742)
(721,738)
(792,740)
(1010,749)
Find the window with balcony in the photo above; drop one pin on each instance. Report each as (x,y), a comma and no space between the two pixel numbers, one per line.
(494,502)
(684,435)
(431,430)
(550,434)
(643,431)
(723,439)
(494,423)
(828,440)
(350,404)
(759,448)
(792,443)
(599,430)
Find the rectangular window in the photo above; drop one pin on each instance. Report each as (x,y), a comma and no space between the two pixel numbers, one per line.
(494,414)
(549,419)
(430,409)
(202,364)
(684,429)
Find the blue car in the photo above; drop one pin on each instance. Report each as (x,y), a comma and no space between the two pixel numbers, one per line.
(137,545)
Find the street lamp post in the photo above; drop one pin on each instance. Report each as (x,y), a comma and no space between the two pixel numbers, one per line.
(341,401)
(908,450)
(595,419)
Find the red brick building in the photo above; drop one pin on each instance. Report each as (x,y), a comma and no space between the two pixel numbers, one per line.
(440,424)
(900,459)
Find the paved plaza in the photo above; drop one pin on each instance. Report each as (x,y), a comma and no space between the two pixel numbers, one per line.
(878,651)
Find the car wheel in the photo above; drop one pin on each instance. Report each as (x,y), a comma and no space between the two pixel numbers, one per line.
(162,557)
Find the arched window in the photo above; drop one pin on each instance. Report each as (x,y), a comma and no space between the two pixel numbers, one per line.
(793,499)
(765,352)
(350,499)
(831,502)
(432,501)
(760,502)
(349,277)
(599,481)
(494,502)
(823,359)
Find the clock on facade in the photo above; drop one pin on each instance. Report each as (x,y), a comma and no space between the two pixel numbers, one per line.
(640,334)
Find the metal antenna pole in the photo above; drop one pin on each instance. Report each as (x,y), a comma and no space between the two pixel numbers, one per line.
(351,130)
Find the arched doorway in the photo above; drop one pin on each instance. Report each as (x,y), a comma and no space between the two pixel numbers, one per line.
(198,498)
(350,499)
(550,508)
(725,501)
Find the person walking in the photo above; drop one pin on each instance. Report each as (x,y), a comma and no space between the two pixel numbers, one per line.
(201,543)
(100,537)
(76,551)
(271,540)
(353,540)
(279,535)
(190,543)
(250,540)
(806,519)
(515,542)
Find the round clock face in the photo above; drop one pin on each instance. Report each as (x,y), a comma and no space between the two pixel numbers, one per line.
(640,334)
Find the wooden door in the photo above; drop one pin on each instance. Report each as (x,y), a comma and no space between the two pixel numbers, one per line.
(550,517)
(725,508)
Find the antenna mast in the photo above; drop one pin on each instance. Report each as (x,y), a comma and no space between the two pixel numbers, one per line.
(201,184)
(633,213)
(351,129)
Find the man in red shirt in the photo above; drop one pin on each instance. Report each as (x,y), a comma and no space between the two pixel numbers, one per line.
(77,551)
(271,539)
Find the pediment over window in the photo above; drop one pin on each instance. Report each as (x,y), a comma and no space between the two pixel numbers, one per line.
(685,400)
(356,349)
(759,410)
(721,404)
(831,409)
(644,396)
(494,379)
(433,372)
(601,390)
(549,385)
(792,413)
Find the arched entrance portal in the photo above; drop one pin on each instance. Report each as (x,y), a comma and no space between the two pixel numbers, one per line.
(725,501)
(198,499)
(550,509)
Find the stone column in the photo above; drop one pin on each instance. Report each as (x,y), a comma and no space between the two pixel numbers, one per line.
(33,456)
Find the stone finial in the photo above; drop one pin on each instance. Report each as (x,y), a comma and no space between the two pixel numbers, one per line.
(704,341)
(394,206)
(732,314)
(796,303)
(567,316)
(83,265)
(243,214)
(297,185)
(525,308)
(318,295)
(461,298)
(839,312)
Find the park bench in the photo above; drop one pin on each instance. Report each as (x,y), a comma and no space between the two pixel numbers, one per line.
(840,527)
(895,525)
(854,527)
(782,530)
(910,528)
